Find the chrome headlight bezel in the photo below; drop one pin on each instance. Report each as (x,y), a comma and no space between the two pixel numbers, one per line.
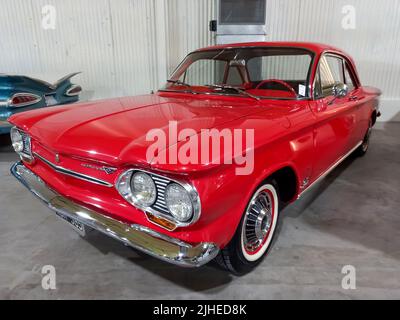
(123,187)
(17,140)
(26,152)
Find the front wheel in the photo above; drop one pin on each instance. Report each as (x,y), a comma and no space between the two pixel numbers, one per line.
(255,234)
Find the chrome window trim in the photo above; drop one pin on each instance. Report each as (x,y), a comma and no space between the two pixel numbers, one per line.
(74,174)
(345,62)
(309,84)
(325,55)
(233,95)
(194,196)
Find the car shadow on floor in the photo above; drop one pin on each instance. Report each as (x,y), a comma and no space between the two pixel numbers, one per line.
(297,209)
(209,277)
(357,202)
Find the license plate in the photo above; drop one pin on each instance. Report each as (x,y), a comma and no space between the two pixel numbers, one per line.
(76,225)
(50,101)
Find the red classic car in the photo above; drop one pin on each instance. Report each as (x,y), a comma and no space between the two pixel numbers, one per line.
(142,170)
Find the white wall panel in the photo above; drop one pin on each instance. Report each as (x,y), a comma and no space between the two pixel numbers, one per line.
(122,47)
(374,43)
(187,28)
(126,47)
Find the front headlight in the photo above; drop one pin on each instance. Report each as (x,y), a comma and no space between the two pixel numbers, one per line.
(21,143)
(164,200)
(178,202)
(17,140)
(143,189)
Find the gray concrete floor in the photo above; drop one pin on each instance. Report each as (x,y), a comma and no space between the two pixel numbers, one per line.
(351,218)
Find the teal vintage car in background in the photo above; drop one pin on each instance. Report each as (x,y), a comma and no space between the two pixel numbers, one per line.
(22,93)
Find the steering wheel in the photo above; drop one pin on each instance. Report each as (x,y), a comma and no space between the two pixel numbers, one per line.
(283,83)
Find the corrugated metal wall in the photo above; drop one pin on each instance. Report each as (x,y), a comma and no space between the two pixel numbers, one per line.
(374,43)
(126,47)
(123,47)
(187,28)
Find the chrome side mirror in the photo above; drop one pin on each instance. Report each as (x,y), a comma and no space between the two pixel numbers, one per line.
(340,90)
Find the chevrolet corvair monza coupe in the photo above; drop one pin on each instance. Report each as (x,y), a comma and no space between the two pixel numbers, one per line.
(303,102)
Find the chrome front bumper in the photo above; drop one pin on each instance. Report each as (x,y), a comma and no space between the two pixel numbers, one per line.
(139,237)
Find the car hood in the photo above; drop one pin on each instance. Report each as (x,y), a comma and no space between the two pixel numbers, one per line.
(115,131)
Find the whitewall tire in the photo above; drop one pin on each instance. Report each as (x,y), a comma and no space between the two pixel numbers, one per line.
(259,223)
(256,232)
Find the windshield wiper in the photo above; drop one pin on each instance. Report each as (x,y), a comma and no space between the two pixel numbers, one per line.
(224,87)
(179,82)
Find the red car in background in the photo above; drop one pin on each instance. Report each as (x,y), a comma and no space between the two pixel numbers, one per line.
(293,110)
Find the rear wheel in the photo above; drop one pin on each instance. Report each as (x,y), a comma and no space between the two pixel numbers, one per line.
(255,234)
(362,150)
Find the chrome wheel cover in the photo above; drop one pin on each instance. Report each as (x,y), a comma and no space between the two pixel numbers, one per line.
(258,221)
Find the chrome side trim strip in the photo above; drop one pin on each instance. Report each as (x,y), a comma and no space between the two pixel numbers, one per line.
(74,174)
(158,245)
(336,164)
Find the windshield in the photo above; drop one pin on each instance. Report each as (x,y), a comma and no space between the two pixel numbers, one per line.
(277,73)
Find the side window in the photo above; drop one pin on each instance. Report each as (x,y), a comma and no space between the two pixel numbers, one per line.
(330,73)
(348,78)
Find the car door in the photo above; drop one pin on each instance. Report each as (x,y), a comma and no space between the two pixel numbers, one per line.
(357,99)
(336,118)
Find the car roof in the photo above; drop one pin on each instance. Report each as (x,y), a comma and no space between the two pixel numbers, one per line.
(317,48)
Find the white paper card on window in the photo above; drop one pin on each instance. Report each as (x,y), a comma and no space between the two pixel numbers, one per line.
(302,90)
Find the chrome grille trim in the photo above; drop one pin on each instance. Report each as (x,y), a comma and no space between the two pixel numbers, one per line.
(159,207)
(74,174)
(27,143)
(161,185)
(162,210)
